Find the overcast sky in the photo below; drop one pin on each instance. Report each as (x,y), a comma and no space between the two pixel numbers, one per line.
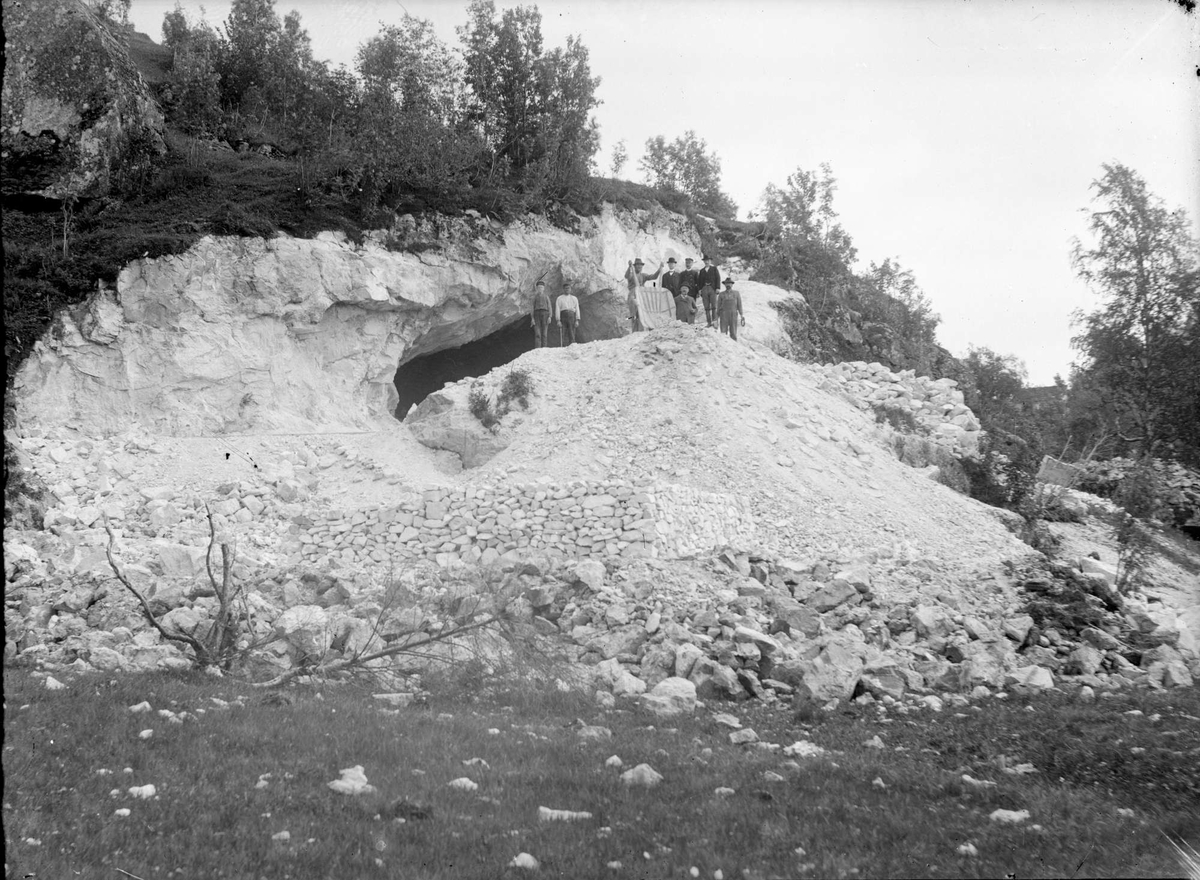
(963,136)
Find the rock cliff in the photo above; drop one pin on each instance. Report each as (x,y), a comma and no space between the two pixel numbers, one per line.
(289,334)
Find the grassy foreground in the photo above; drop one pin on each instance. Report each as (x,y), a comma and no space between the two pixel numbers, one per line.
(1107,787)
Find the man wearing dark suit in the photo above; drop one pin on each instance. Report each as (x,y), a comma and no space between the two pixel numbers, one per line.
(670,279)
(709,280)
(690,278)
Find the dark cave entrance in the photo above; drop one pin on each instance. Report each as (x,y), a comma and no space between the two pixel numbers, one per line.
(424,375)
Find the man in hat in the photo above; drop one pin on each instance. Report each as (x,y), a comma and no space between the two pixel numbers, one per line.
(690,278)
(729,308)
(566,309)
(709,280)
(685,306)
(670,279)
(652,307)
(540,315)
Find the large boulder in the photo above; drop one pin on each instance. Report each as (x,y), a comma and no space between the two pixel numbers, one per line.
(75,110)
(670,697)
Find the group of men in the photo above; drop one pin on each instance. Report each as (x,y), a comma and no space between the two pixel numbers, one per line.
(686,289)
(566,314)
(676,298)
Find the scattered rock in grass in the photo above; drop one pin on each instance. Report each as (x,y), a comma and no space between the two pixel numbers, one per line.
(402,810)
(146,734)
(399,700)
(968,849)
(145,792)
(103,772)
(742,737)
(138,708)
(1086,695)
(727,720)
(1125,812)
(723,792)
(931,702)
(642,774)
(282,836)
(605,700)
(526,861)
(593,731)
(493,731)
(545,814)
(772,776)
(53,684)
(353,782)
(878,782)
(874,743)
(616,866)
(977,783)
(463,784)
(476,762)
(803,749)
(122,813)
(1020,770)
(1009,817)
(614,762)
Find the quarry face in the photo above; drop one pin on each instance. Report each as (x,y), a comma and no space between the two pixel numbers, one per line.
(240,335)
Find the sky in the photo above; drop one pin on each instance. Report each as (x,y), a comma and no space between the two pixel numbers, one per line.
(964,137)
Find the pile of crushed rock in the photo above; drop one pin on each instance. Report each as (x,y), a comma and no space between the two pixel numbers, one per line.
(864,579)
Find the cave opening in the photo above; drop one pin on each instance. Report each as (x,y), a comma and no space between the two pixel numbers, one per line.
(420,377)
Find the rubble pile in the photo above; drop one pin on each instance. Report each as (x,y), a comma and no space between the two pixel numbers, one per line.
(935,404)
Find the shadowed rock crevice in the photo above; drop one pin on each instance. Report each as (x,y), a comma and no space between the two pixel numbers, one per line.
(420,377)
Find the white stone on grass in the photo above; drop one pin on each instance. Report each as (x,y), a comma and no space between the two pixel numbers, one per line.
(977,783)
(1009,817)
(146,734)
(122,813)
(145,792)
(526,861)
(874,743)
(968,849)
(53,684)
(742,737)
(545,814)
(138,708)
(463,784)
(592,731)
(642,774)
(802,748)
(614,762)
(723,791)
(282,836)
(353,782)
(727,720)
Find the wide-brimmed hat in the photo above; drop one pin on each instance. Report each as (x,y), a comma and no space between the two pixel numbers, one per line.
(638,262)
(683,287)
(727,281)
(540,283)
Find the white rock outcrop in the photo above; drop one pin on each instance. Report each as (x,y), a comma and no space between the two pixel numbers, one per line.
(243,334)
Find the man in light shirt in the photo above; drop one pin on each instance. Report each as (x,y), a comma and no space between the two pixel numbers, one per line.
(566,309)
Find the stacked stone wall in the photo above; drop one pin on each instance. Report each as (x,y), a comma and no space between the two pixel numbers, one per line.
(581,519)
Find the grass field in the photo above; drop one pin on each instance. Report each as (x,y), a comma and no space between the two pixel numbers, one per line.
(235,774)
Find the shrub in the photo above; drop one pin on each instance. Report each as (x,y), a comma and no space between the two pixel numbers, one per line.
(481,407)
(901,418)
(517,385)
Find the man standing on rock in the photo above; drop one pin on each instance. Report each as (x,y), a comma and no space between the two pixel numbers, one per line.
(566,309)
(690,278)
(671,280)
(654,305)
(540,316)
(709,280)
(729,307)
